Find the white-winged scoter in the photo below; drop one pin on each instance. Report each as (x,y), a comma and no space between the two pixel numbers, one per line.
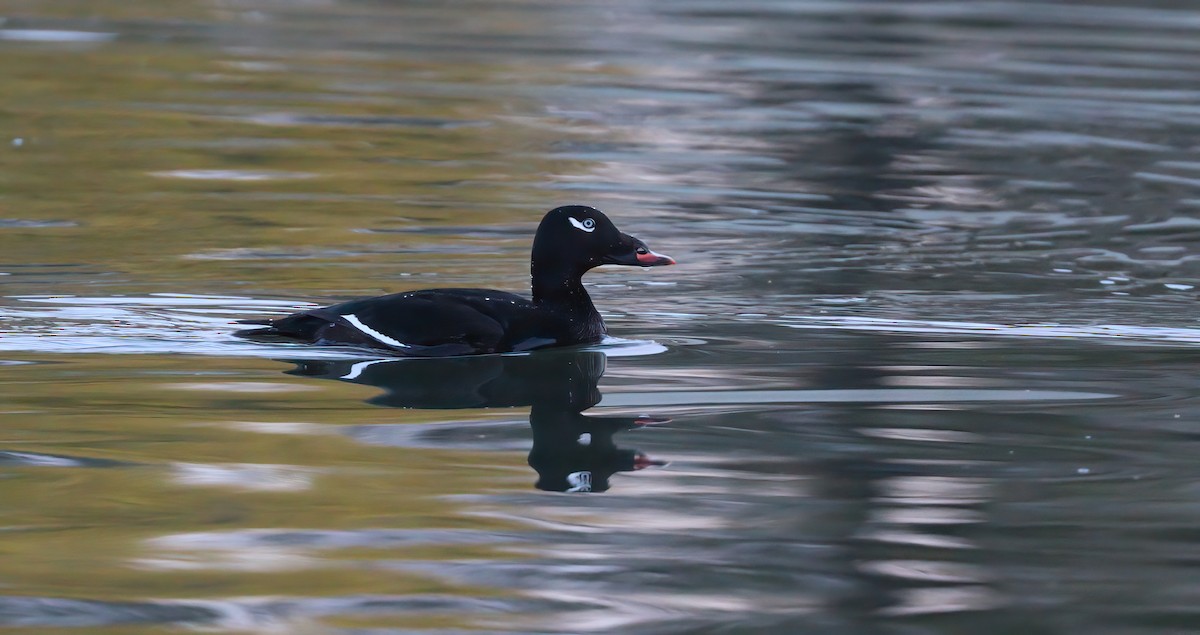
(442,322)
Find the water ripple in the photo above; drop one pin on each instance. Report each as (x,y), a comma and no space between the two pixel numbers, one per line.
(180,323)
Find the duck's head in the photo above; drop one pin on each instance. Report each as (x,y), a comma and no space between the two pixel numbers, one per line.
(581,237)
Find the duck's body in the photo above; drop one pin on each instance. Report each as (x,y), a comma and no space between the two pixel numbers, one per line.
(443,322)
(440,322)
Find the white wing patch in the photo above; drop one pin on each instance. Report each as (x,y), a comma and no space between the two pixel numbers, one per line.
(357,323)
(588,225)
(358,368)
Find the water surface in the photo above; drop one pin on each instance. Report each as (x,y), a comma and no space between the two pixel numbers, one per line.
(926,365)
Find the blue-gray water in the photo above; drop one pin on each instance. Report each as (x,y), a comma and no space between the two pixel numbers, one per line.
(928,363)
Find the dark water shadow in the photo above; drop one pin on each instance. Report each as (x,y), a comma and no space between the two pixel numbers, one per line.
(571,452)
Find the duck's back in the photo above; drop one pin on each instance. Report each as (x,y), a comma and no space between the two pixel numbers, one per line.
(429,323)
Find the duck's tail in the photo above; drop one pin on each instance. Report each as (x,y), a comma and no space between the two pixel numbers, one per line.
(268,330)
(302,327)
(259,321)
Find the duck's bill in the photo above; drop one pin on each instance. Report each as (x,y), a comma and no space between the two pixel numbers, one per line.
(641,462)
(651,259)
(633,252)
(645,258)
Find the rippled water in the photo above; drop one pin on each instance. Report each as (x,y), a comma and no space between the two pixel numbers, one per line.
(927,364)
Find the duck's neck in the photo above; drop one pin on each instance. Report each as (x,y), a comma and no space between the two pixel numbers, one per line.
(561,289)
(563,292)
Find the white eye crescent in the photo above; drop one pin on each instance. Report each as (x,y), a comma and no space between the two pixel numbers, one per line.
(588,225)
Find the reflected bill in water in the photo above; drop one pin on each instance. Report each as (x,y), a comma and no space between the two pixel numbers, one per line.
(571,451)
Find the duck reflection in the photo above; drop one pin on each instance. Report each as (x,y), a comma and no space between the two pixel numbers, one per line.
(571,452)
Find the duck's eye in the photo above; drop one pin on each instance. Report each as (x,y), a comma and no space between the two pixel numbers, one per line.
(643,251)
(588,225)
